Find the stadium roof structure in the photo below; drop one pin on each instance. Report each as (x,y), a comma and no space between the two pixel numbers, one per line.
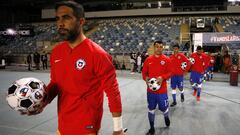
(18,8)
(44,3)
(25,3)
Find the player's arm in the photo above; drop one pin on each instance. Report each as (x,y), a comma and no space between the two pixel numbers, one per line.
(106,73)
(117,123)
(49,97)
(51,92)
(52,88)
(145,75)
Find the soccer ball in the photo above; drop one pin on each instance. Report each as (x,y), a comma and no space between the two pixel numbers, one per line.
(26,95)
(184,65)
(192,60)
(153,84)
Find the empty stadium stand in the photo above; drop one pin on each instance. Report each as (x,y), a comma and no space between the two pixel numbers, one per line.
(118,36)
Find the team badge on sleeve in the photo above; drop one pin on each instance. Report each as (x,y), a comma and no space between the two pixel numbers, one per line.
(80,64)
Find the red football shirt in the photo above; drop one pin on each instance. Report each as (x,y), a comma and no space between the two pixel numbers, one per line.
(176,61)
(79,77)
(154,67)
(201,63)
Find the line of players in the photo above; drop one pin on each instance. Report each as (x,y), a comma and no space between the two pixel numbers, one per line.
(162,68)
(201,66)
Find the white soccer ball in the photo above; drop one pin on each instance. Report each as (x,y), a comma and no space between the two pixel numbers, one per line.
(153,84)
(192,60)
(26,94)
(184,65)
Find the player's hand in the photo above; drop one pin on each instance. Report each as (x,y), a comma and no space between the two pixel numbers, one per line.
(146,80)
(122,132)
(32,112)
(37,111)
(159,80)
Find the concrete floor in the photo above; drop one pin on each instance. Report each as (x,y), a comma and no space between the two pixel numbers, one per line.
(216,114)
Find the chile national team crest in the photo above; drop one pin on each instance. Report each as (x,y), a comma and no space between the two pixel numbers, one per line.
(80,64)
(162,62)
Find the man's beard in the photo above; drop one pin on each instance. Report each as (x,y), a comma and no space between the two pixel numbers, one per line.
(70,35)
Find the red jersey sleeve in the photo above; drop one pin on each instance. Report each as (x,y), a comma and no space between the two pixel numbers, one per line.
(105,71)
(145,69)
(52,89)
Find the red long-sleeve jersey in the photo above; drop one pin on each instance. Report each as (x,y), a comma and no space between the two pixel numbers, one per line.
(201,63)
(176,61)
(154,67)
(79,77)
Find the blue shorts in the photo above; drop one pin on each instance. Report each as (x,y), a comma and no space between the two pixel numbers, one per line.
(196,77)
(177,81)
(157,99)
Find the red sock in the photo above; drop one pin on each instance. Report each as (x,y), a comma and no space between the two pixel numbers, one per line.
(194,92)
(198,98)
